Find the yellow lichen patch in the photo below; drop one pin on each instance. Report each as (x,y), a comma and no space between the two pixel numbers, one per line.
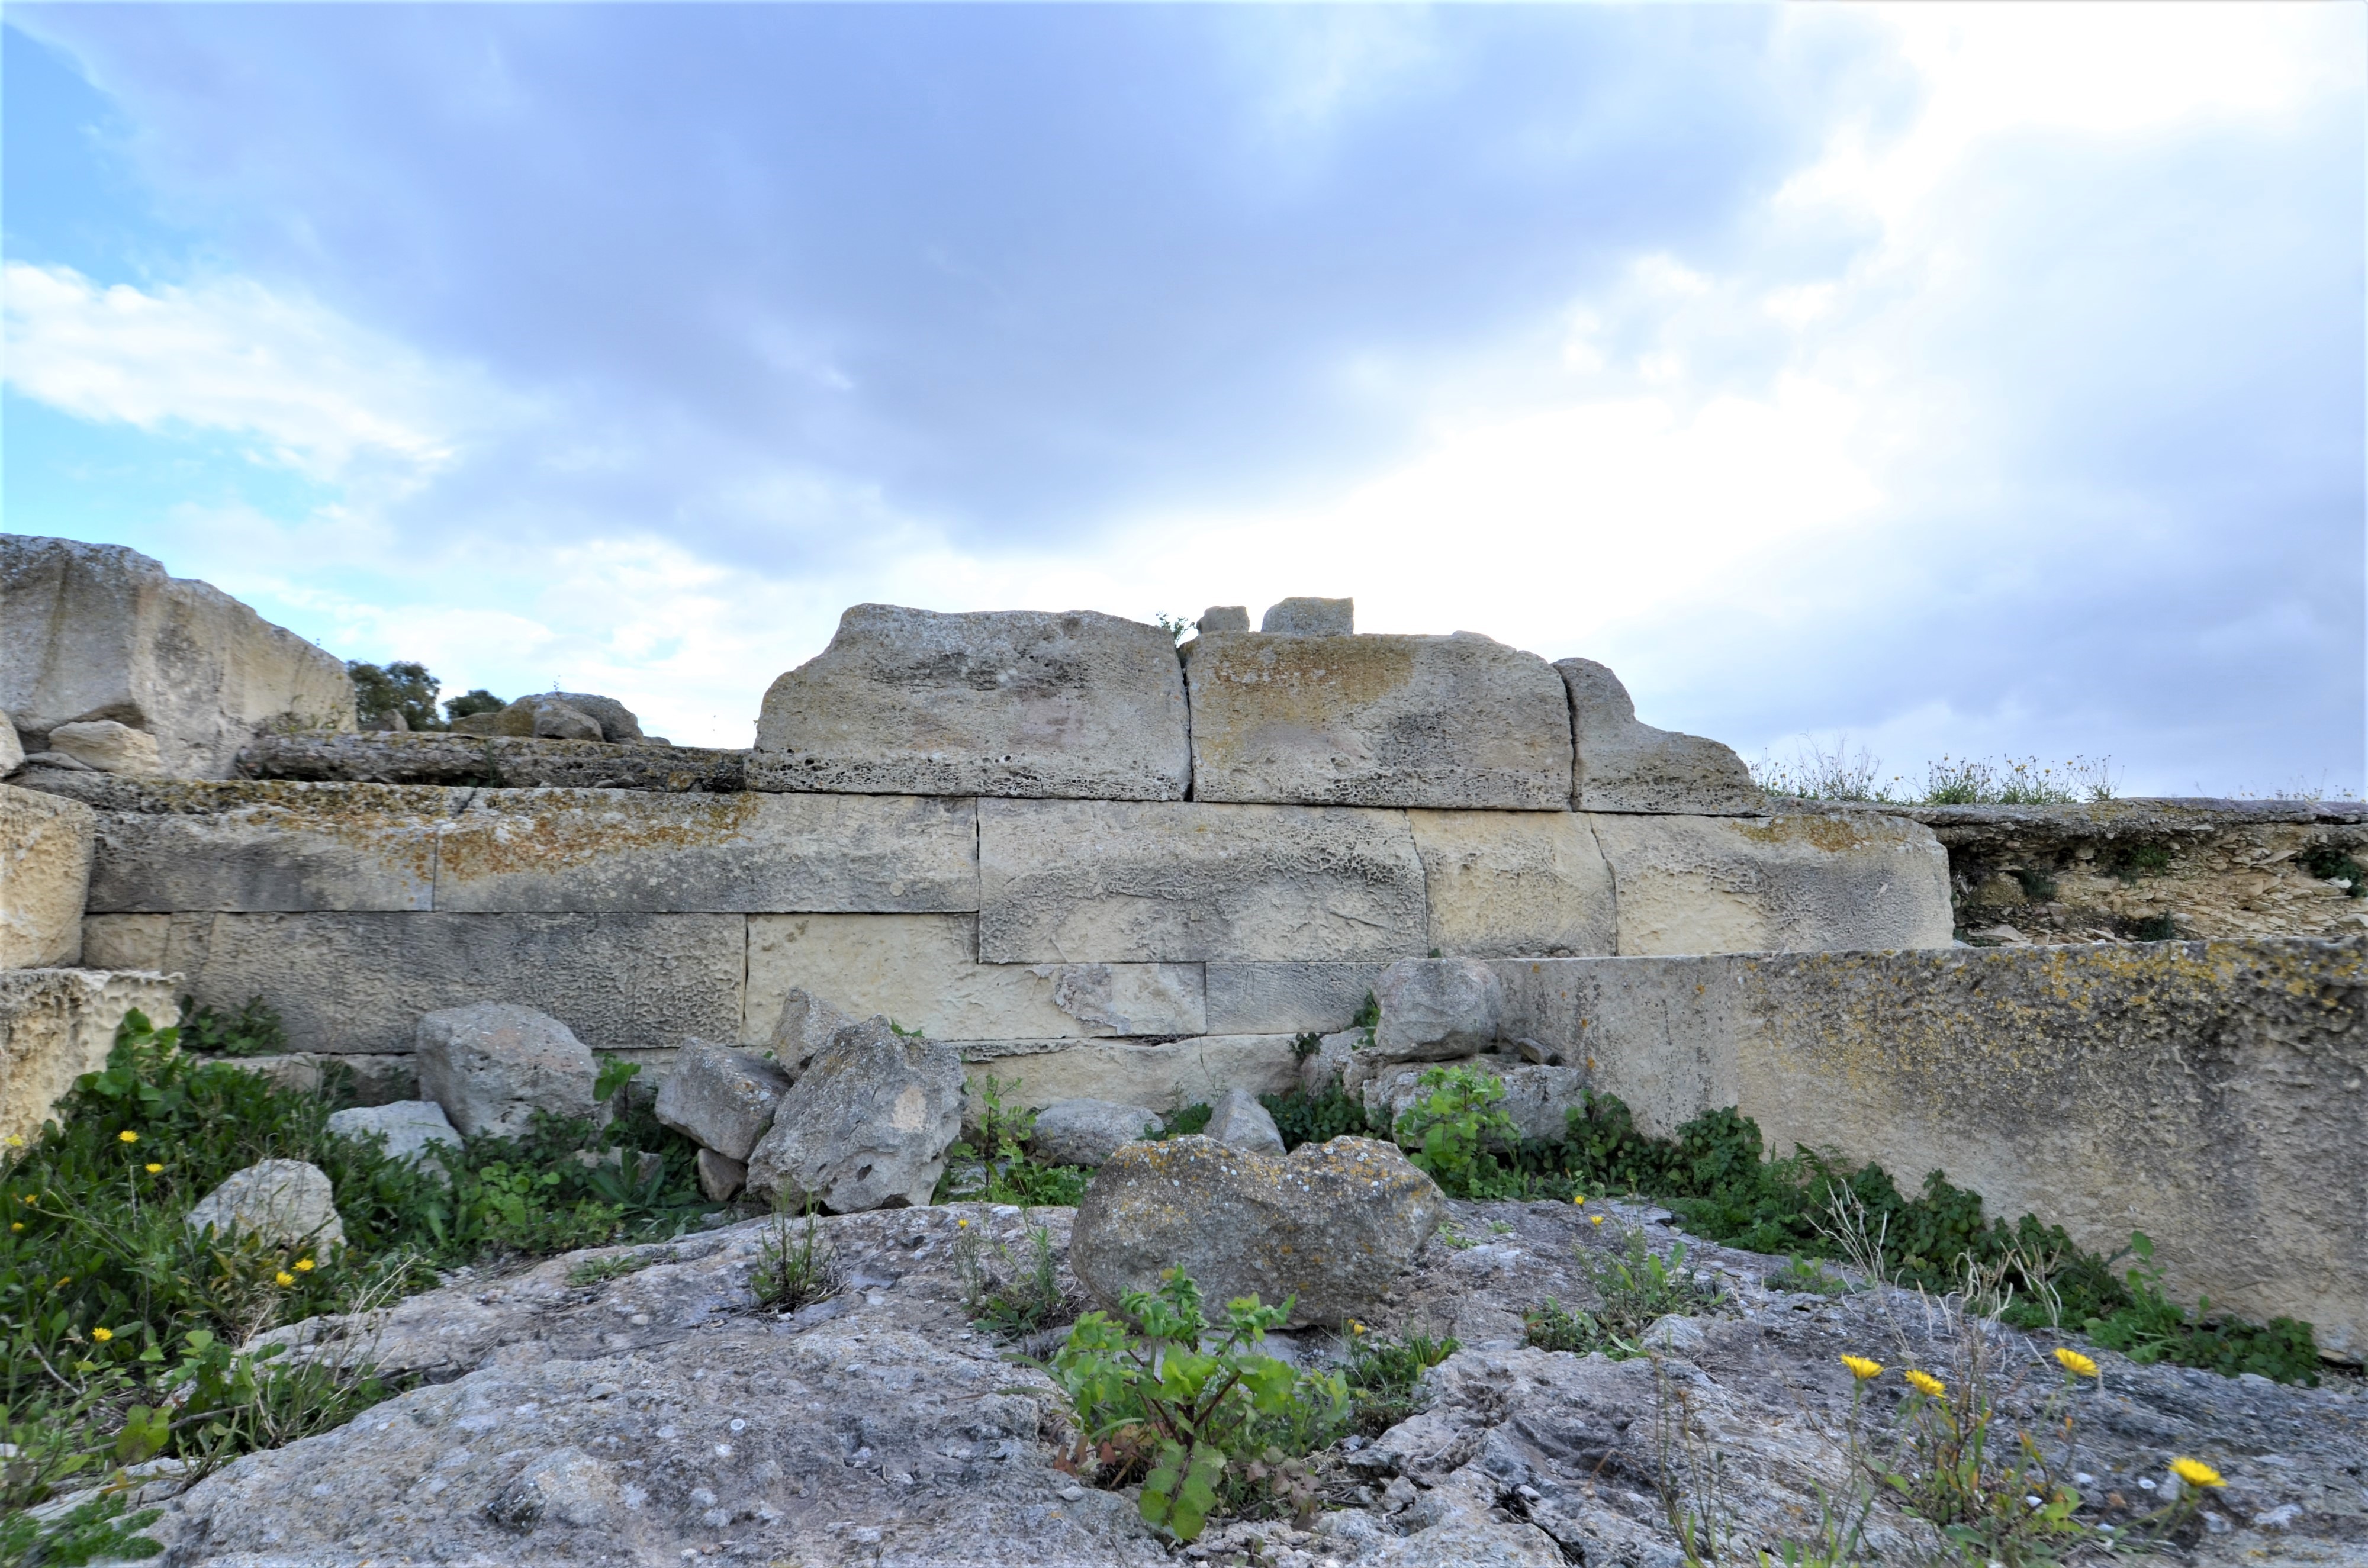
(1834,834)
(510,832)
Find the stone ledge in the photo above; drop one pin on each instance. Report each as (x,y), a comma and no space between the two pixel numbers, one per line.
(496,761)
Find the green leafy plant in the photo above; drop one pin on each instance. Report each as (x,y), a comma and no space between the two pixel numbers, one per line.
(476,700)
(2146,1326)
(401,689)
(1635,1288)
(1019,1297)
(1303,1118)
(615,1265)
(1385,1376)
(1186,1401)
(1193,1119)
(2330,864)
(2132,861)
(2150,928)
(1452,1131)
(252,1030)
(793,1269)
(614,1075)
(998,1168)
(1369,1016)
(1806,1278)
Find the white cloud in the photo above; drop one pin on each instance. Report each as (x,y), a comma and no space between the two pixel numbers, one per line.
(318,393)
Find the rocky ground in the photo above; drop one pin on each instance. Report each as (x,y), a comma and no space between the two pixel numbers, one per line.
(662,1415)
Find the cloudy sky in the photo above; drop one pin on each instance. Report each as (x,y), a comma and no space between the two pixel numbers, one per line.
(1979,382)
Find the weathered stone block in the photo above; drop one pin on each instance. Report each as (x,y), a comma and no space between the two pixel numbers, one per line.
(12,747)
(1457,722)
(1436,1008)
(410,1127)
(1238,1121)
(1330,1227)
(351,984)
(581,851)
(1026,703)
(721,1099)
(100,631)
(1111,881)
(558,716)
(45,856)
(1310,618)
(1223,618)
(1164,1077)
(493,1064)
(56,1024)
(442,757)
(108,747)
(1501,883)
(866,1126)
(1791,883)
(174,846)
(1287,998)
(1620,765)
(1087,1133)
(287,1203)
(923,971)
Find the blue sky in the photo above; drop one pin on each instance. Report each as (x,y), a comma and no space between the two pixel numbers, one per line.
(1970,380)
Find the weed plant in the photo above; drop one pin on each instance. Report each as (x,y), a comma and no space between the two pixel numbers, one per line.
(793,1269)
(253,1031)
(1634,1287)
(1305,1118)
(1022,1296)
(1385,1376)
(998,1168)
(1191,1120)
(2330,864)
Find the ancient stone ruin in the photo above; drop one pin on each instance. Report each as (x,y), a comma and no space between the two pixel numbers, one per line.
(1118,877)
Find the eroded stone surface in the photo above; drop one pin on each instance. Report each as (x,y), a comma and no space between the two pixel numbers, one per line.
(1502,883)
(1166,1076)
(721,1099)
(45,859)
(493,1064)
(1086,1132)
(1450,722)
(1330,1226)
(1309,618)
(1620,765)
(1789,883)
(108,747)
(91,631)
(56,1024)
(442,757)
(1017,702)
(1238,1121)
(1435,1009)
(1102,882)
(865,1126)
(1287,998)
(409,1127)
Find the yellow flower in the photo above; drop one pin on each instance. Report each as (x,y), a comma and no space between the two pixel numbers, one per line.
(1595,1219)
(2073,1361)
(962,1224)
(2195,1472)
(126,1136)
(1578,1197)
(1862,1369)
(16,1224)
(63,1280)
(1925,1383)
(1356,1328)
(154,1168)
(16,1141)
(283,1278)
(102,1334)
(303,1265)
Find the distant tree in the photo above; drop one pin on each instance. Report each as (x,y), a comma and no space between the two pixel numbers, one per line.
(402,689)
(477,700)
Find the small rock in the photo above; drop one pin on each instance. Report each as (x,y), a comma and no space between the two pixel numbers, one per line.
(1436,1008)
(555,721)
(565,1486)
(1309,618)
(1240,1122)
(408,1126)
(611,719)
(865,1126)
(1398,1496)
(287,1203)
(108,747)
(493,1064)
(806,1025)
(1678,1336)
(12,750)
(1325,1067)
(721,1099)
(1223,618)
(2282,1517)
(720,1175)
(1086,1132)
(1330,1224)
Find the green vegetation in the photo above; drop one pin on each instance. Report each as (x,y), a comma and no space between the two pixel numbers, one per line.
(1635,1288)
(1384,1376)
(2330,864)
(998,1169)
(406,688)
(119,1328)
(2132,861)
(1453,1127)
(1816,774)
(1302,1120)
(253,1031)
(1806,1278)
(473,701)
(1193,1407)
(792,1270)
(1193,1118)
(1021,1297)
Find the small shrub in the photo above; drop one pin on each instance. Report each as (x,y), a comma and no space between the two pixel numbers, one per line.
(2328,864)
(998,1168)
(793,1269)
(2150,928)
(594,1271)
(1193,1118)
(2149,1327)
(1553,1326)
(1024,1296)
(1192,1405)
(253,1031)
(1450,1128)
(477,699)
(2132,861)
(1369,1016)
(403,688)
(1801,1275)
(1304,1120)
(1384,1377)
(2037,886)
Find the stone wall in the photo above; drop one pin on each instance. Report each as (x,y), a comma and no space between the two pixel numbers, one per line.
(45,855)
(2213,1095)
(56,1024)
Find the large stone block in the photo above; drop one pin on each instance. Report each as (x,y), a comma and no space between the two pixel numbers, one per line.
(56,1024)
(388,757)
(1287,998)
(1620,765)
(1020,702)
(1450,722)
(45,855)
(1111,882)
(1501,883)
(1798,882)
(1164,1077)
(357,983)
(170,845)
(923,971)
(587,850)
(100,631)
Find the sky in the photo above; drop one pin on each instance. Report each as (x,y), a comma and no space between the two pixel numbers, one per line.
(1935,380)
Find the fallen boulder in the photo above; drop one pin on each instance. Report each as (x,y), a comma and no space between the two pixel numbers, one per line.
(1240,1122)
(1087,1133)
(1321,1071)
(409,1127)
(12,749)
(557,716)
(1309,618)
(720,1175)
(287,1203)
(721,1099)
(108,747)
(865,1126)
(493,1064)
(1436,1008)
(1329,1225)
(808,1025)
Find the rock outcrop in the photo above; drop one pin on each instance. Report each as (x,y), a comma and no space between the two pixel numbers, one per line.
(1015,702)
(92,633)
(411,1128)
(493,1064)
(1330,1226)
(287,1203)
(105,746)
(1238,1121)
(558,716)
(866,1125)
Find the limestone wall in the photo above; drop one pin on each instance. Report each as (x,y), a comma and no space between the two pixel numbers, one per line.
(2213,1095)
(56,1024)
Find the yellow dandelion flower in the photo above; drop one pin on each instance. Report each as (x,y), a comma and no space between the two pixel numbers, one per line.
(962,1224)
(1578,1197)
(2073,1361)
(16,1141)
(1926,1383)
(283,1278)
(102,1334)
(2195,1472)
(1862,1369)
(126,1136)
(154,1168)
(63,1280)
(1595,1219)
(303,1265)
(16,1224)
